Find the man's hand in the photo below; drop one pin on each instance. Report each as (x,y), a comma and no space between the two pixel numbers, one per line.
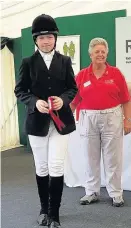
(42,106)
(57,103)
(127,127)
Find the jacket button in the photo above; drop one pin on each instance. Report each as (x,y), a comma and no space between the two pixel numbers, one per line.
(48,77)
(49,88)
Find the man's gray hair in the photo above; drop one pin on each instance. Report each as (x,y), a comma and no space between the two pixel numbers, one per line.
(97,41)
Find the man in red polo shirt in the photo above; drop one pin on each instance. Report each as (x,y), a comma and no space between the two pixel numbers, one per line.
(103,100)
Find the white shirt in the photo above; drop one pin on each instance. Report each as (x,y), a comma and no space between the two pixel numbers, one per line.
(47,57)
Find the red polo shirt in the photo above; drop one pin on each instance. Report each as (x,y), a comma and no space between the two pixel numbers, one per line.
(106,92)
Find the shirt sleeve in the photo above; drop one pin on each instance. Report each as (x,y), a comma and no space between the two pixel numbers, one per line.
(124,92)
(77,98)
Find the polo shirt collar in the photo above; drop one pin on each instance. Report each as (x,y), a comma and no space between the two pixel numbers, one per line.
(106,71)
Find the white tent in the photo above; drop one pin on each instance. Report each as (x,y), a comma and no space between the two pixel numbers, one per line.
(16,15)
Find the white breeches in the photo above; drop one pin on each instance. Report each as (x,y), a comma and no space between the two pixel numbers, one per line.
(49,152)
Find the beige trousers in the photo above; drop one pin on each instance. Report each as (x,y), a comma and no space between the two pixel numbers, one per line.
(101,131)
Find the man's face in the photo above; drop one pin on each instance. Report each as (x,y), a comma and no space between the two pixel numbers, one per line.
(99,54)
(45,42)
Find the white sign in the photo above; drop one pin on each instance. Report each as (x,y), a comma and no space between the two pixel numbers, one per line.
(70,46)
(123,46)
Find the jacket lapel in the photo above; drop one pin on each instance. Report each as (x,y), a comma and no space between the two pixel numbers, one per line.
(40,63)
(56,65)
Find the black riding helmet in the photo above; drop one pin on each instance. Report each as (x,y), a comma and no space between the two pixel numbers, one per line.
(44,24)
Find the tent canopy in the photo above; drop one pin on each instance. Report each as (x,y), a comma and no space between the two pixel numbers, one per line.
(16,15)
